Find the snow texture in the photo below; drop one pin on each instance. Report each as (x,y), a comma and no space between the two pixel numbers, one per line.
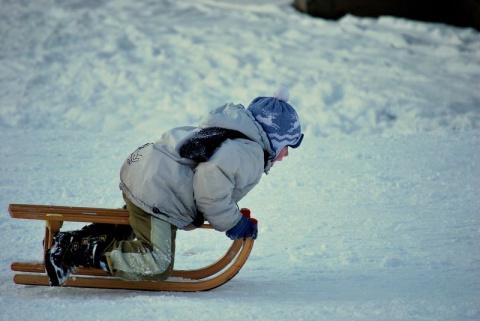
(375,217)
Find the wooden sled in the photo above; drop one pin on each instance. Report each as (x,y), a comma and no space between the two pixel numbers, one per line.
(202,279)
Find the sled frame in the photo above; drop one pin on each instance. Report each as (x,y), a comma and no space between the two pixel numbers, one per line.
(201,279)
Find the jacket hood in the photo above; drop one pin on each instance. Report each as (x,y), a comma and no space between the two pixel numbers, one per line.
(236,117)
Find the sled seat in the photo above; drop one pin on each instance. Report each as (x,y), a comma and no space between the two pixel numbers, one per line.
(202,279)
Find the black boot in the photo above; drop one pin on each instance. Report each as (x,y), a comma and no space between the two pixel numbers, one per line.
(84,248)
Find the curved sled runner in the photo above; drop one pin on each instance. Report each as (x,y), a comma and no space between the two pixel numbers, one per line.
(202,279)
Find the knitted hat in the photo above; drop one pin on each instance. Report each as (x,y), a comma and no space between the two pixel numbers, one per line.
(278,119)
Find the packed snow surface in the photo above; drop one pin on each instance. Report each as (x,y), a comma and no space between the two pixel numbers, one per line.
(375,217)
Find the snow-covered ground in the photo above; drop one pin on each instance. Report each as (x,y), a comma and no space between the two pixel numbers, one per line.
(375,217)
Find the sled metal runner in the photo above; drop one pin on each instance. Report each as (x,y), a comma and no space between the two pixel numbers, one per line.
(202,279)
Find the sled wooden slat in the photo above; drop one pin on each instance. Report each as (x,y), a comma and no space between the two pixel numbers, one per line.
(204,278)
(69,214)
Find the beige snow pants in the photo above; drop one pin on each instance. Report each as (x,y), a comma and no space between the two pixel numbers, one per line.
(148,257)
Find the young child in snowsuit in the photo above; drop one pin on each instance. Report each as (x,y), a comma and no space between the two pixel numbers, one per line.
(190,175)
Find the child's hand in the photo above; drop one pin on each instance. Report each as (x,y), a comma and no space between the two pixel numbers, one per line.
(246,227)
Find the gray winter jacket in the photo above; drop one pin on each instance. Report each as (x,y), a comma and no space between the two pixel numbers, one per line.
(159,181)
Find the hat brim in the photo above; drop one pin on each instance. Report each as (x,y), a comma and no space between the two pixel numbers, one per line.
(297,143)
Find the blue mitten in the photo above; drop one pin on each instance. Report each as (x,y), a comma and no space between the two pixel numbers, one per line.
(244,228)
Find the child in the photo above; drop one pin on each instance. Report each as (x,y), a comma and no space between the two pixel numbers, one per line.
(190,175)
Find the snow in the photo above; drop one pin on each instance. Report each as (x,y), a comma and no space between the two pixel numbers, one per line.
(374,217)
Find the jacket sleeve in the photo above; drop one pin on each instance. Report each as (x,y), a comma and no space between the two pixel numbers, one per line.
(234,169)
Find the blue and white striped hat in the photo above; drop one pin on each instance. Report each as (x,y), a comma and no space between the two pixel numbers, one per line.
(278,119)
